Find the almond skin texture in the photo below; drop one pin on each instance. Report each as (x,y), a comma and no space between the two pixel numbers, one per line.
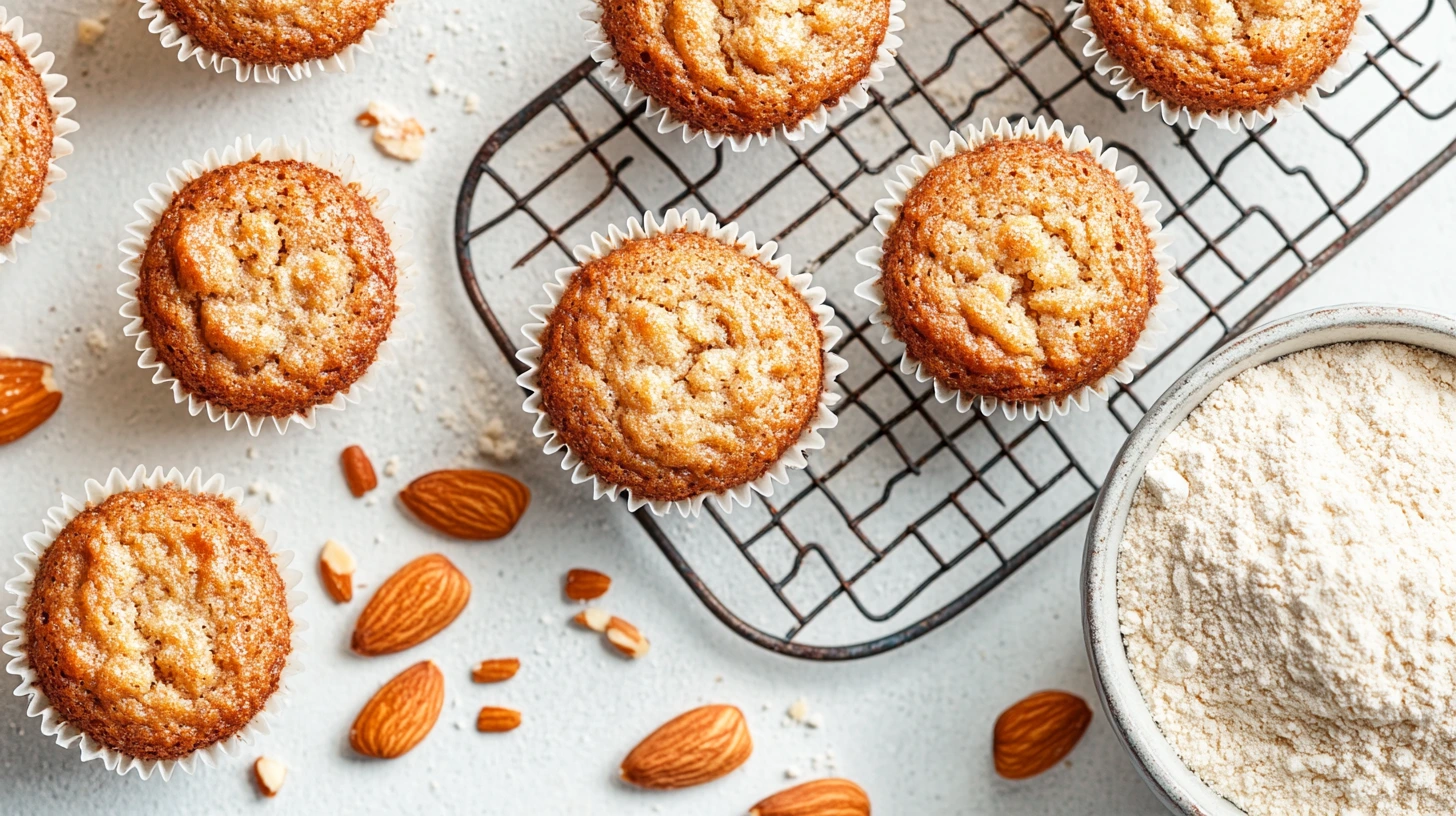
(587,585)
(495,671)
(699,746)
(412,606)
(497,720)
(822,797)
(1038,732)
(28,397)
(626,639)
(477,505)
(358,470)
(401,713)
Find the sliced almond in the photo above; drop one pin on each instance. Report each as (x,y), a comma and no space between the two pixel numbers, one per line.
(494,671)
(28,397)
(336,570)
(269,774)
(401,713)
(412,606)
(593,619)
(586,585)
(626,638)
(495,720)
(358,470)
(702,745)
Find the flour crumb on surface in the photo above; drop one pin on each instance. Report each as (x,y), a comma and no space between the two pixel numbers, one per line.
(391,466)
(89,30)
(98,342)
(1287,584)
(270,492)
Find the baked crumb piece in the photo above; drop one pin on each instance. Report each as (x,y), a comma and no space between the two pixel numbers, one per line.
(395,134)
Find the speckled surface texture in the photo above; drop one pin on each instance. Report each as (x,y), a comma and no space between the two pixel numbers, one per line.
(912,727)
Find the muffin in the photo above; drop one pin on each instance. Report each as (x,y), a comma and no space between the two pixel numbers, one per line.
(677,366)
(157,622)
(276,32)
(1019,269)
(27,133)
(749,68)
(267,287)
(1224,57)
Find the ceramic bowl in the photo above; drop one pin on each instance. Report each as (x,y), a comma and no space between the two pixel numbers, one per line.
(1177,786)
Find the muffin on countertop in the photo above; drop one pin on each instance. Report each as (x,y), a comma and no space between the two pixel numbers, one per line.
(1019,270)
(676,366)
(746,67)
(158,622)
(276,32)
(27,132)
(1233,55)
(268,286)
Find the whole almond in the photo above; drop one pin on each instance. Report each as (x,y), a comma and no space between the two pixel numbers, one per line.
(28,397)
(269,773)
(401,713)
(822,797)
(336,571)
(587,585)
(495,671)
(1037,732)
(477,505)
(625,637)
(412,606)
(358,470)
(699,746)
(497,720)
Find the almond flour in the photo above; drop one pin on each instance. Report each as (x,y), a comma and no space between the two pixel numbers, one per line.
(1287,584)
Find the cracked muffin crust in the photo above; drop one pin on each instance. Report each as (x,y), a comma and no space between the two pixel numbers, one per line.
(276,32)
(676,366)
(1019,271)
(1225,55)
(158,623)
(744,67)
(268,286)
(27,130)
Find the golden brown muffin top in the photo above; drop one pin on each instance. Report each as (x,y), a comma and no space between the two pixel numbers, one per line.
(26,133)
(1019,271)
(268,286)
(158,623)
(276,32)
(1220,55)
(742,67)
(676,366)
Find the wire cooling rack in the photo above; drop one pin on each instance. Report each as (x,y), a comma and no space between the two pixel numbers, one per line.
(913,512)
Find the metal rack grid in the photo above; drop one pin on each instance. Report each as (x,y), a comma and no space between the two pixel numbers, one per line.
(1241,247)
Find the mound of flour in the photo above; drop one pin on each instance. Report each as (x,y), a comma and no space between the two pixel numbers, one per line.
(1287,584)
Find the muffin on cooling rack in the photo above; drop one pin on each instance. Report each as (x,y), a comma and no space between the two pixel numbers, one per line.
(275,32)
(682,362)
(267,287)
(747,69)
(1017,269)
(1231,61)
(157,623)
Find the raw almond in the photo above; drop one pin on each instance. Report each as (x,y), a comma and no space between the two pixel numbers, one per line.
(494,671)
(336,571)
(699,746)
(269,773)
(496,720)
(822,797)
(626,638)
(1037,732)
(401,713)
(412,606)
(28,397)
(587,585)
(358,470)
(593,619)
(478,505)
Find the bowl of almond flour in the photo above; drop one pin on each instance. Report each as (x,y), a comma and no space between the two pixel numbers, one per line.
(1269,582)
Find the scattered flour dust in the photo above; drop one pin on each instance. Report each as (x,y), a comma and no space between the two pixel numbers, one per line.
(1287,584)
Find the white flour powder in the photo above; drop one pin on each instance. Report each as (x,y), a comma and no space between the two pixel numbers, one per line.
(1287,584)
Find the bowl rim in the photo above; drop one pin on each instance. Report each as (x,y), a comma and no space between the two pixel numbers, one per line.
(1175,785)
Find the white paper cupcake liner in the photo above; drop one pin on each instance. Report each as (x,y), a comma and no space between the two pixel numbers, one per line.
(173,36)
(1130,90)
(728,234)
(857,98)
(29,560)
(160,196)
(61,127)
(888,213)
